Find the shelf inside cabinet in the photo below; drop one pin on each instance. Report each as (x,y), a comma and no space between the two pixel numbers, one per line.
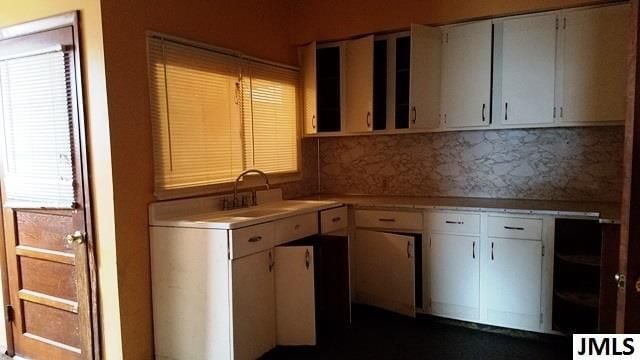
(583,298)
(588,260)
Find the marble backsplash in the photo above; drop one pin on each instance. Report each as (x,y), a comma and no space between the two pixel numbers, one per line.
(553,164)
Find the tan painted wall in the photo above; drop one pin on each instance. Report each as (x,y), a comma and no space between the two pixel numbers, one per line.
(252,26)
(336,19)
(13,12)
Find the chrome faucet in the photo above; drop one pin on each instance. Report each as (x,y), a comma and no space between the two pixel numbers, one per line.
(235,185)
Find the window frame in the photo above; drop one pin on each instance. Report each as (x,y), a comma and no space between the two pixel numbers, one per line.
(249,181)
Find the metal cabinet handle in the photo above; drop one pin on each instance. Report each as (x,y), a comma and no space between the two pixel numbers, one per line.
(313,121)
(336,219)
(75,237)
(506,109)
(455,222)
(514,228)
(409,249)
(307,259)
(474,250)
(368,118)
(387,220)
(492,251)
(415,114)
(483,108)
(255,239)
(271,262)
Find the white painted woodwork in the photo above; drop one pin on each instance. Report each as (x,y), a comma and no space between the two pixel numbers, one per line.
(454,276)
(453,222)
(307,60)
(528,70)
(466,77)
(253,305)
(191,314)
(296,227)
(386,219)
(512,290)
(514,227)
(384,271)
(358,72)
(252,239)
(425,77)
(334,219)
(595,52)
(295,295)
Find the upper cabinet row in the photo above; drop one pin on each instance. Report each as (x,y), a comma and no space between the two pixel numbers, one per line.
(564,68)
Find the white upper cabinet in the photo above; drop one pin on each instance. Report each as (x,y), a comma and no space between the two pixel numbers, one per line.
(525,53)
(425,79)
(466,77)
(595,43)
(307,59)
(358,71)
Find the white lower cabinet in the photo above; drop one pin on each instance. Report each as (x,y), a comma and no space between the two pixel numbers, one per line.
(384,270)
(454,275)
(512,289)
(253,304)
(295,295)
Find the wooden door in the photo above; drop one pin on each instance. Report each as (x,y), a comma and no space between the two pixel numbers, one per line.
(253,305)
(308,63)
(528,56)
(359,85)
(595,53)
(466,77)
(454,272)
(513,285)
(385,271)
(295,295)
(424,89)
(47,244)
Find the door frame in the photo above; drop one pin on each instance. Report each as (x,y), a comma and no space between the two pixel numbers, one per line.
(626,320)
(28,28)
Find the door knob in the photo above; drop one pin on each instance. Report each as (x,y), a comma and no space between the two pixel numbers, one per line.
(76,237)
(638,285)
(620,280)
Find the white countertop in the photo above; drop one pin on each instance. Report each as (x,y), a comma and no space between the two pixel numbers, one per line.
(238,218)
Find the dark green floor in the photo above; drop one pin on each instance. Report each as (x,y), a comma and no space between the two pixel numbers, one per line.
(378,334)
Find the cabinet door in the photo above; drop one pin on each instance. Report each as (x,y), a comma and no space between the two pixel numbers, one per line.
(528,70)
(308,63)
(295,295)
(254,320)
(466,78)
(512,290)
(359,85)
(425,82)
(595,55)
(455,276)
(384,271)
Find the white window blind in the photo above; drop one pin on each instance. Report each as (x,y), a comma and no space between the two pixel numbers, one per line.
(271,108)
(195,110)
(214,115)
(37,115)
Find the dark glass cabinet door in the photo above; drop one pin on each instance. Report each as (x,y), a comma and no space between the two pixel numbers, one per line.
(328,88)
(403,66)
(380,85)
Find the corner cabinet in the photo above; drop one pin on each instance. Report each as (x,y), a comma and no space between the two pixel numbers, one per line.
(466,76)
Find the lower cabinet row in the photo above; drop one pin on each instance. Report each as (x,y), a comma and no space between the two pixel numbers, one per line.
(486,268)
(207,306)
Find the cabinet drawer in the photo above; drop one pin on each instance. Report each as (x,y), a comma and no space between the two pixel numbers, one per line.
(251,239)
(453,223)
(515,228)
(333,219)
(296,227)
(389,219)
